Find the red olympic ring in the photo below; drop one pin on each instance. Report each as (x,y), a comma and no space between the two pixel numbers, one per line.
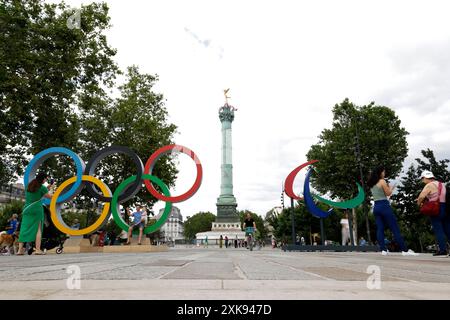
(289,183)
(159,153)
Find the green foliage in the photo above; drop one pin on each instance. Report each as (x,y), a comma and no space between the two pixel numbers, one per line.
(6,211)
(138,119)
(199,222)
(361,224)
(382,140)
(112,228)
(438,167)
(416,227)
(157,235)
(360,139)
(44,65)
(55,90)
(69,217)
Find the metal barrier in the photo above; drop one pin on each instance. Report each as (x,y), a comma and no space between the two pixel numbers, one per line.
(291,247)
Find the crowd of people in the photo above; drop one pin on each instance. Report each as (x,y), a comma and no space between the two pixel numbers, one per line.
(233,243)
(30,229)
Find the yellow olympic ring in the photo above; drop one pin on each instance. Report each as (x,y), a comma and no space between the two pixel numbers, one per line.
(60,225)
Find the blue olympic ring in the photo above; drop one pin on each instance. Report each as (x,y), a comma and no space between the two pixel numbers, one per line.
(30,172)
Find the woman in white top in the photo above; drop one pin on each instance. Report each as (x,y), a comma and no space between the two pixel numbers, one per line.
(440,223)
(384,215)
(345,231)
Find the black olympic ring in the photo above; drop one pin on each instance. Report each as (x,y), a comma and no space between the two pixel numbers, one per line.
(131,191)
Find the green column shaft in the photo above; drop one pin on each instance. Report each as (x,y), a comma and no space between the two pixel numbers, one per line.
(226,186)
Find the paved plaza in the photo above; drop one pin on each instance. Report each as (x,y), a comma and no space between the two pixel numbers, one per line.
(213,273)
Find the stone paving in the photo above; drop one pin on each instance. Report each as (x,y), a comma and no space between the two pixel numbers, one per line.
(213,273)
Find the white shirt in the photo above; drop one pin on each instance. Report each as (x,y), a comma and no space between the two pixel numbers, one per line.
(344,223)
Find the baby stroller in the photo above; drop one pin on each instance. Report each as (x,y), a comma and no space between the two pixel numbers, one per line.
(51,236)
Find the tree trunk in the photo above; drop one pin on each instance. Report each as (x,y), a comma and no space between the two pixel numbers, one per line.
(421,245)
(355,226)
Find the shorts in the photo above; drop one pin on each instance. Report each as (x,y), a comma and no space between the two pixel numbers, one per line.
(139,225)
(249,231)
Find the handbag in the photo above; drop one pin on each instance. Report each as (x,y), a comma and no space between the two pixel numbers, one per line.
(432,208)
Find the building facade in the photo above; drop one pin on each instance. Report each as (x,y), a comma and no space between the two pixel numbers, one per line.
(12,192)
(173,228)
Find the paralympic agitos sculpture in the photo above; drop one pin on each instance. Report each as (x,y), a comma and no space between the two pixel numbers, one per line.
(308,198)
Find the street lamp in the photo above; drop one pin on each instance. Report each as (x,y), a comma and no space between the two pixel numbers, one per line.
(293,221)
(358,158)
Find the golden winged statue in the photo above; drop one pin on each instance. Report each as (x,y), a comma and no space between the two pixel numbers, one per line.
(225,93)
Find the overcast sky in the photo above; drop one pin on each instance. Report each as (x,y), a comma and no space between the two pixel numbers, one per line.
(287,63)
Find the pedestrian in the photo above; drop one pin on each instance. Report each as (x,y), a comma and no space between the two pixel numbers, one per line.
(123,237)
(362,242)
(435,191)
(273,242)
(226,242)
(384,216)
(145,214)
(138,222)
(111,237)
(8,237)
(13,223)
(33,214)
(236,242)
(206,241)
(76,224)
(220,241)
(303,241)
(345,230)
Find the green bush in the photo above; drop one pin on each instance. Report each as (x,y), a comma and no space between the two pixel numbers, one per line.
(8,210)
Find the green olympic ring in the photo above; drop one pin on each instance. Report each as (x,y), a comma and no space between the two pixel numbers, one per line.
(115,205)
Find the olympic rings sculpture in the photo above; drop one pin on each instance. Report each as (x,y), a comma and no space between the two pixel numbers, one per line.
(125,191)
(308,197)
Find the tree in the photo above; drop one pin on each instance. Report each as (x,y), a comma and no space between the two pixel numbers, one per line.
(71,215)
(199,222)
(360,139)
(415,227)
(45,69)
(439,168)
(54,83)
(156,235)
(137,119)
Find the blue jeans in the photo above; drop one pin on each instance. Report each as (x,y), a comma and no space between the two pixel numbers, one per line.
(441,228)
(384,216)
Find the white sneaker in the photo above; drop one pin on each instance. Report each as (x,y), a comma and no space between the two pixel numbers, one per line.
(385,252)
(409,253)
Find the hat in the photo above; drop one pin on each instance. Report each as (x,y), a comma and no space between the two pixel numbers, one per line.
(427,174)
